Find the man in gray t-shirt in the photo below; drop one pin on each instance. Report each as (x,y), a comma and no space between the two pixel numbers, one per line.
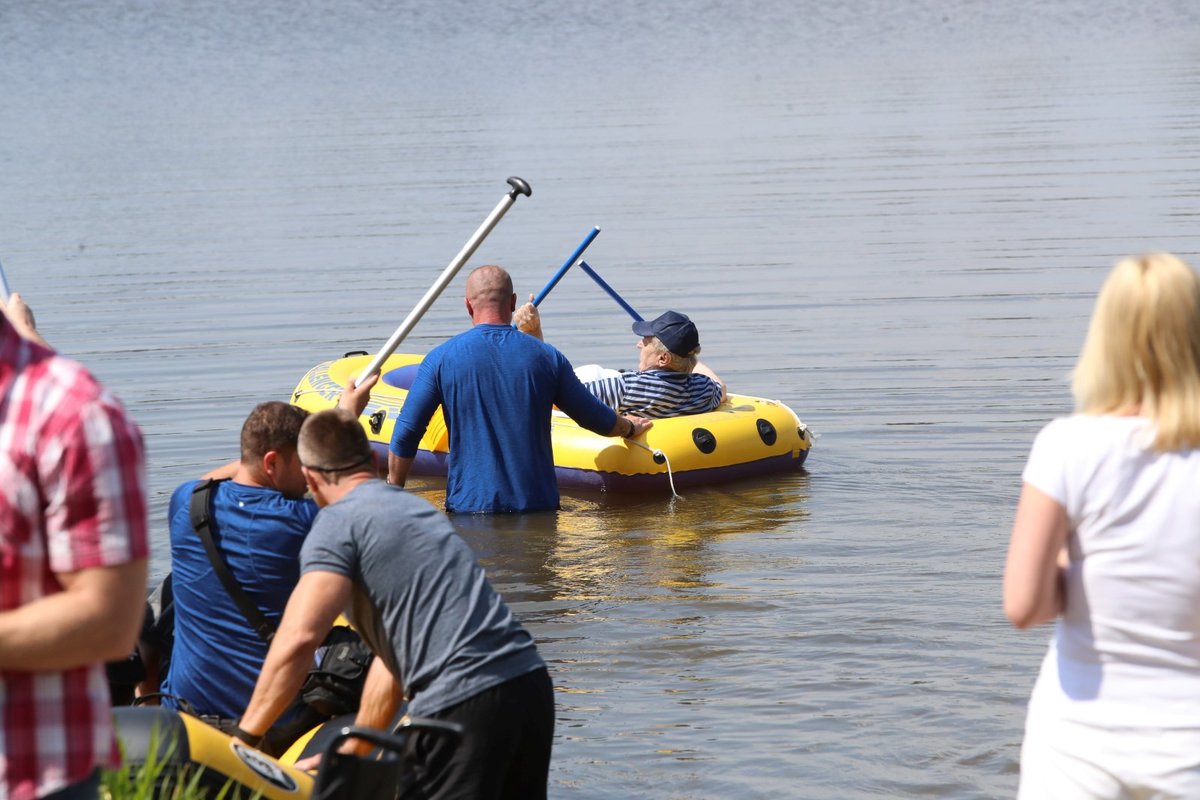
(444,639)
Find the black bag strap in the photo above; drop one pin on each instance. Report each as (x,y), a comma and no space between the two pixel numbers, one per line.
(201,511)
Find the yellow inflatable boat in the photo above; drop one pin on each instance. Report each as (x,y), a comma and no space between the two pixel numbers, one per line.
(178,750)
(744,436)
(182,749)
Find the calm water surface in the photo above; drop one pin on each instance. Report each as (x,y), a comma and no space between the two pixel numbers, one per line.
(890,216)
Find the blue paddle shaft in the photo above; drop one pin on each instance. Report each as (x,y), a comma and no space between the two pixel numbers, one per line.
(583,265)
(570,262)
(4,285)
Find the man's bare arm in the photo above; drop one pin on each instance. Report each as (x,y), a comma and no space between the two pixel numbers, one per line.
(398,469)
(703,369)
(311,610)
(381,698)
(21,317)
(96,617)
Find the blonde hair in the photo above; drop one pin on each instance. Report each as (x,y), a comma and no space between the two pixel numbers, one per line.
(1142,352)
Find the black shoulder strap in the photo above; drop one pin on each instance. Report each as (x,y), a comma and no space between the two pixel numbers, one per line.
(201,511)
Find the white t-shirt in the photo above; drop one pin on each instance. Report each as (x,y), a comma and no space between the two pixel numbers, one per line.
(1126,652)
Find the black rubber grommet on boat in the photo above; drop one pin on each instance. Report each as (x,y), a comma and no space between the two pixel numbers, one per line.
(705,441)
(660,457)
(355,353)
(766,432)
(376,420)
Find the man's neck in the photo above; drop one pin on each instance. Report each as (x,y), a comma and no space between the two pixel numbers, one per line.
(346,484)
(490,319)
(249,477)
(491,315)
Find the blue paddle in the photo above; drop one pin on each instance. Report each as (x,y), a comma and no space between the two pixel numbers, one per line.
(4,285)
(570,262)
(583,265)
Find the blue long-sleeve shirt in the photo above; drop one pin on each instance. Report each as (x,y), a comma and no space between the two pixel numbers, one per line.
(497,386)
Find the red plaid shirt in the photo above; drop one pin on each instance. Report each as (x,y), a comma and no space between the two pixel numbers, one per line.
(72,496)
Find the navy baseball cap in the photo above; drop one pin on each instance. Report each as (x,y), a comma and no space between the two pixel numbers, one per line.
(673,329)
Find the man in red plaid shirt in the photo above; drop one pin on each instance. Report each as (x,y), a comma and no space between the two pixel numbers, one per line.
(73,551)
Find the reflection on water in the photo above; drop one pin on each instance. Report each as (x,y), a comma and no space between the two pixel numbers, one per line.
(625,593)
(599,546)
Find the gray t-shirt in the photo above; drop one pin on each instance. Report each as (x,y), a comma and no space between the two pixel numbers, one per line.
(420,600)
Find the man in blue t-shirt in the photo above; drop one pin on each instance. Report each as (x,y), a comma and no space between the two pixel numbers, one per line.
(259,520)
(670,380)
(497,387)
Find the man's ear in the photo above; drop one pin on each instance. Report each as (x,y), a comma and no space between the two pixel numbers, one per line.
(270,463)
(513,302)
(470,311)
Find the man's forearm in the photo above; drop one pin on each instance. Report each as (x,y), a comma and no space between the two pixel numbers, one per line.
(282,675)
(702,369)
(223,472)
(630,427)
(354,397)
(398,469)
(95,618)
(310,612)
(21,318)
(381,697)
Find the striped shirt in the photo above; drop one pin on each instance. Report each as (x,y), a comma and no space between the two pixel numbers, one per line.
(657,393)
(72,496)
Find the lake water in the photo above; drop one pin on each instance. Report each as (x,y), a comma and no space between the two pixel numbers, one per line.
(892,216)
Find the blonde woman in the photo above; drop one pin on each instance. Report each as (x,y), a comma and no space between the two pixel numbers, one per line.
(1107,542)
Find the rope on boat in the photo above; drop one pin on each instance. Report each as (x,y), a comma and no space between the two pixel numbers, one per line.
(659,454)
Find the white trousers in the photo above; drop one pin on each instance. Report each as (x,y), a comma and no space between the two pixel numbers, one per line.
(1074,761)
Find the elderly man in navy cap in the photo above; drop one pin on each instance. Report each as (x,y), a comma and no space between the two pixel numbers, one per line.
(669,382)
